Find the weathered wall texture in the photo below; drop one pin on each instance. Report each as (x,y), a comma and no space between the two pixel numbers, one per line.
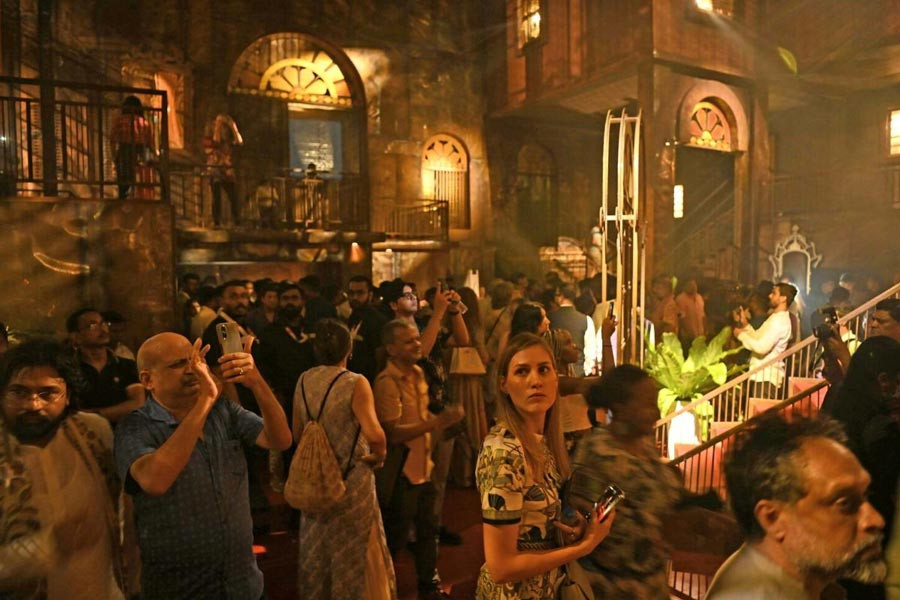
(63,255)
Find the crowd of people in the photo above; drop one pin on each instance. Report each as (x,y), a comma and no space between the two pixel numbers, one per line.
(513,390)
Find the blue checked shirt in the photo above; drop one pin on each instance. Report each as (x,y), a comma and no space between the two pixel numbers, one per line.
(196,540)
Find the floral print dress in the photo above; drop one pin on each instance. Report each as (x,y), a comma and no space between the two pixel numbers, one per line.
(509,495)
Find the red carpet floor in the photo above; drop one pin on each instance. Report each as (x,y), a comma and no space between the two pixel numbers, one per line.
(458,565)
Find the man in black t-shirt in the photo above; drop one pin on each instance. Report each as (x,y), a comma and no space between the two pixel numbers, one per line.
(365,323)
(113,389)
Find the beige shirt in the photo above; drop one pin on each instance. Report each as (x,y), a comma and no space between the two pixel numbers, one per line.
(402,399)
(69,499)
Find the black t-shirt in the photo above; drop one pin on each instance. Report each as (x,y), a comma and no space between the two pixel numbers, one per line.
(283,354)
(107,388)
(366,341)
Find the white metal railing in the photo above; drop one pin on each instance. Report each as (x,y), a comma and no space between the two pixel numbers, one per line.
(731,401)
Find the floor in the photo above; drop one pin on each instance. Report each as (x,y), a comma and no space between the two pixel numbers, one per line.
(458,565)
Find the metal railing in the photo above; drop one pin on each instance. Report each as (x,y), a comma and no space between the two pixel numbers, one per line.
(268,203)
(702,468)
(732,401)
(66,138)
(425,220)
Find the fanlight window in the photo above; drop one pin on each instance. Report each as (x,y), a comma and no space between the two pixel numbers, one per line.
(293,68)
(709,127)
(445,176)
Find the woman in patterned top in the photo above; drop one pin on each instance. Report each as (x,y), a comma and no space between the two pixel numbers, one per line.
(520,469)
(632,563)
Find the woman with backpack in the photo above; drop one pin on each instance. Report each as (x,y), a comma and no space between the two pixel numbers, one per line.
(342,549)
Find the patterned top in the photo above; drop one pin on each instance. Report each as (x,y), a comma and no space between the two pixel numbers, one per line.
(631,561)
(509,495)
(196,540)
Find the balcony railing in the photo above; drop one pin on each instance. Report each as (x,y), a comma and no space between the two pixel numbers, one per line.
(269,203)
(425,220)
(78,158)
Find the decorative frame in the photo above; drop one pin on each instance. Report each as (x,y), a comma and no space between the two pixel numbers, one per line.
(795,242)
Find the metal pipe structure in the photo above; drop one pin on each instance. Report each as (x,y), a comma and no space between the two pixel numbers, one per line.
(626,217)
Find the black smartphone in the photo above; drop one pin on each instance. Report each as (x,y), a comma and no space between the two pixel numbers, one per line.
(607,501)
(612,309)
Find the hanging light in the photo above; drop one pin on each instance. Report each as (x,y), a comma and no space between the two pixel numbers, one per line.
(704,5)
(678,202)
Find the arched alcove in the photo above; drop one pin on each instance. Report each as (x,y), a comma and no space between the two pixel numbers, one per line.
(445,176)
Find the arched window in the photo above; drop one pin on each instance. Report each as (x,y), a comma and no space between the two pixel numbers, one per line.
(292,67)
(536,212)
(709,127)
(445,176)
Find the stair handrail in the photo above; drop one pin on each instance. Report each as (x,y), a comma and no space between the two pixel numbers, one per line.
(743,425)
(890,292)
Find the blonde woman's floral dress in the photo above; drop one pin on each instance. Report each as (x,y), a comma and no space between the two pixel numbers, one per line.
(510,496)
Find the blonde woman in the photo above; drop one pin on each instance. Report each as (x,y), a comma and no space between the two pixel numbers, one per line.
(520,470)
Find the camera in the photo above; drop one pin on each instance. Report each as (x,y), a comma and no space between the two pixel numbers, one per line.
(828,327)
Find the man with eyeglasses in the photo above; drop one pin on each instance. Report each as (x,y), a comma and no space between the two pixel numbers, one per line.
(113,389)
(59,533)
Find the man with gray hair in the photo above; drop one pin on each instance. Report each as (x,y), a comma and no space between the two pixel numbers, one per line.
(799,495)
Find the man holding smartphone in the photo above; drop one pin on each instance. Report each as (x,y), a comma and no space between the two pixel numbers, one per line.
(181,457)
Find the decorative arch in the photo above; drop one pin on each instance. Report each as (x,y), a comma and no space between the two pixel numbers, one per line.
(712,103)
(445,176)
(297,67)
(795,243)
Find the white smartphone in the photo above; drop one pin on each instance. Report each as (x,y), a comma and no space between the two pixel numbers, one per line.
(229,337)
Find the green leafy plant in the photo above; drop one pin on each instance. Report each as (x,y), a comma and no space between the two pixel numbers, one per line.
(685,379)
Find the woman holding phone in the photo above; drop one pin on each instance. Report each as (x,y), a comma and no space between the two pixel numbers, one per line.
(520,470)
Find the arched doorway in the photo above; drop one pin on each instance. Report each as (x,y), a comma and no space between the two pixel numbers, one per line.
(536,210)
(300,101)
(704,238)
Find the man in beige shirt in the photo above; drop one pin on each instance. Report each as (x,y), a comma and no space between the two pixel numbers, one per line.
(401,402)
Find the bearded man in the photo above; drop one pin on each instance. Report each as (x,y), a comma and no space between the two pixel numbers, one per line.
(59,533)
(800,497)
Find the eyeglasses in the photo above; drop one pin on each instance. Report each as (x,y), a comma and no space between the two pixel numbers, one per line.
(97,325)
(22,395)
(409,296)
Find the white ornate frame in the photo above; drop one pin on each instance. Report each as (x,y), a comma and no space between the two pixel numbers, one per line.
(795,242)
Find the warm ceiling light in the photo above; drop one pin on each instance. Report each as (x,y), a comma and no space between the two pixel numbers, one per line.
(706,5)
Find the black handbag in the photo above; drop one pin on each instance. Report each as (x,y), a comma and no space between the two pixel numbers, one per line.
(387,477)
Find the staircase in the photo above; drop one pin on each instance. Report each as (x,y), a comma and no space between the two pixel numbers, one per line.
(690,572)
(731,402)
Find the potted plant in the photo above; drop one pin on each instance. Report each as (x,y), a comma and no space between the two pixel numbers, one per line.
(685,379)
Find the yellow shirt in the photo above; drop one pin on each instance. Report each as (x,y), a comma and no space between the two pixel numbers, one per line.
(402,399)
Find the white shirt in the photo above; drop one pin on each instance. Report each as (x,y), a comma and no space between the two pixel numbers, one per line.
(770,340)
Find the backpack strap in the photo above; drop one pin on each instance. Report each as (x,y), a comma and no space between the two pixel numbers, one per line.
(327,392)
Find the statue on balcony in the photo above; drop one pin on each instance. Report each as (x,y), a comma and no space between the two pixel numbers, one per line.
(222,135)
(131,139)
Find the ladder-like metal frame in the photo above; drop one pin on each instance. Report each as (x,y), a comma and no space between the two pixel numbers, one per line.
(630,248)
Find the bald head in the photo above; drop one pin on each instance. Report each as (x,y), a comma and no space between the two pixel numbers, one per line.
(158,348)
(166,370)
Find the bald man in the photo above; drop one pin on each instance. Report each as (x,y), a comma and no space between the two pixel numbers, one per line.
(181,457)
